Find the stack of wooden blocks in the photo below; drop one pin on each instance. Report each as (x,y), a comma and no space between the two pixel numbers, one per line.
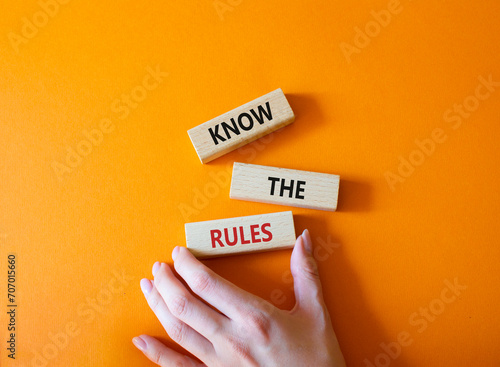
(273,185)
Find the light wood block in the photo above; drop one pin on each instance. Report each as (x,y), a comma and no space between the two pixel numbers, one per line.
(232,236)
(291,187)
(241,126)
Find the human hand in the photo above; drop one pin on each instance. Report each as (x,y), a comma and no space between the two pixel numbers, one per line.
(246,330)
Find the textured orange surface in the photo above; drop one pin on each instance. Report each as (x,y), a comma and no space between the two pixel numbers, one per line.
(365,79)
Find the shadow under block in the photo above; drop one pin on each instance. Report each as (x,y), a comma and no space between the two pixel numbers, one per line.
(232,236)
(241,126)
(284,186)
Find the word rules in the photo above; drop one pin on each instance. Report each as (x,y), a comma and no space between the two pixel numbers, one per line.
(255,233)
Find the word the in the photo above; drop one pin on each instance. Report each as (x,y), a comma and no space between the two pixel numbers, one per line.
(244,125)
(371,30)
(288,188)
(216,235)
(39,19)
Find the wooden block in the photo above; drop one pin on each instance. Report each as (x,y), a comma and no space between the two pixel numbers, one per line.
(255,233)
(284,186)
(241,126)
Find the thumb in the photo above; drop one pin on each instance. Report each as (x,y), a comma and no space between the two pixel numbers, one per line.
(306,282)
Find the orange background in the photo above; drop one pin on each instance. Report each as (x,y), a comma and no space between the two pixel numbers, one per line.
(120,209)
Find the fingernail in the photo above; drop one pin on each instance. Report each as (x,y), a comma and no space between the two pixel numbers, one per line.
(139,343)
(156,266)
(307,241)
(146,286)
(175,252)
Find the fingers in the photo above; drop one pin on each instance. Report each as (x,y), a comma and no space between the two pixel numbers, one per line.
(178,331)
(232,301)
(187,308)
(306,282)
(160,354)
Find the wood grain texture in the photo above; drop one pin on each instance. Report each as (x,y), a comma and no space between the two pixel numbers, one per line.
(241,126)
(274,185)
(232,236)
